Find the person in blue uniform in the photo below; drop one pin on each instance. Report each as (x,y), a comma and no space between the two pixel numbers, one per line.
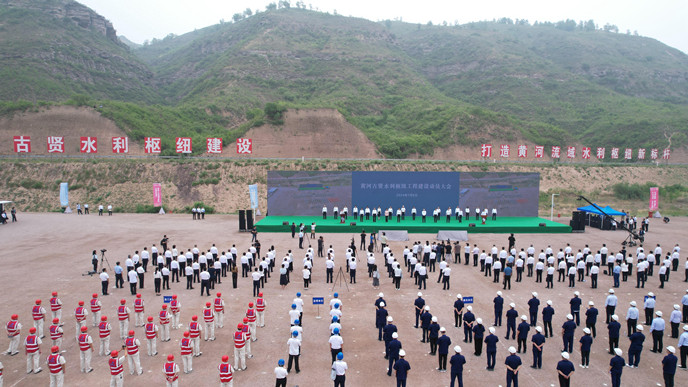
(425,319)
(585,346)
(433,335)
(458,311)
(418,306)
(538,344)
(591,318)
(636,347)
(387,332)
(575,306)
(657,330)
(669,366)
(491,341)
(393,352)
(498,307)
(478,335)
(443,344)
(380,319)
(402,367)
(616,366)
(511,316)
(522,337)
(513,365)
(533,306)
(468,320)
(568,330)
(565,369)
(547,313)
(614,328)
(457,361)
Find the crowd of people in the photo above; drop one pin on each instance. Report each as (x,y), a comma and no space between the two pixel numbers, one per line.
(390,214)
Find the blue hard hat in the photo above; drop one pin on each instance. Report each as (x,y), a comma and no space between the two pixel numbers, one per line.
(336,306)
(293,306)
(280,362)
(336,295)
(296,321)
(340,356)
(295,333)
(298,294)
(336,331)
(335,318)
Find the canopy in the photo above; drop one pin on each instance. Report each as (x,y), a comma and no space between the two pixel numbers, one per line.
(607,210)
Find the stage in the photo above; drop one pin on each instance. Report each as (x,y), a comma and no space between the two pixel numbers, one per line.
(517,225)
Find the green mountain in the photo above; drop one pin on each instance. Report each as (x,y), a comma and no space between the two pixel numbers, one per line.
(410,88)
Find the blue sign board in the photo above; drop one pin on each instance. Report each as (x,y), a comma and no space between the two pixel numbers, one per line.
(166,299)
(318,300)
(468,300)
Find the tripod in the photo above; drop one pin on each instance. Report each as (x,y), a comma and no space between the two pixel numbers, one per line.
(103,259)
(341,276)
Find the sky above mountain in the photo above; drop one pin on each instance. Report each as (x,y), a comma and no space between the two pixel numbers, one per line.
(663,20)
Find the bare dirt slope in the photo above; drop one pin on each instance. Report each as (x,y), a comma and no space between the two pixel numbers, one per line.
(312,133)
(64,121)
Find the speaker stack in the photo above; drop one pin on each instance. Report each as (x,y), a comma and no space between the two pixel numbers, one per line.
(249,219)
(577,222)
(242,220)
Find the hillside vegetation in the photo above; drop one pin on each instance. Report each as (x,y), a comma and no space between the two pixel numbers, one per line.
(410,88)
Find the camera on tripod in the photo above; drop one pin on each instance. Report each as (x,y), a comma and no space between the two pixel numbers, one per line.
(103,250)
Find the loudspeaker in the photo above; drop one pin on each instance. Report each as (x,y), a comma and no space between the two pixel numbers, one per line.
(285,223)
(542,224)
(352,224)
(242,220)
(471,225)
(249,219)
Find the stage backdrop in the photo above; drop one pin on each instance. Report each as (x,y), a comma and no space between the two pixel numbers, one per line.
(304,193)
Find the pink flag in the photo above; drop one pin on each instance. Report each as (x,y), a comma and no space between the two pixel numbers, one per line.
(654,198)
(157,195)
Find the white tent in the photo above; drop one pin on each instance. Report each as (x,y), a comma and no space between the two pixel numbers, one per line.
(657,215)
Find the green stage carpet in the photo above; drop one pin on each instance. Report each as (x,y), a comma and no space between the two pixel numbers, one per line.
(330,225)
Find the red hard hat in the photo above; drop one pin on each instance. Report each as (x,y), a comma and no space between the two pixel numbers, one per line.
(32,330)
(260,294)
(194,318)
(207,304)
(250,305)
(138,295)
(54,294)
(219,294)
(186,334)
(164,306)
(123,301)
(174,296)
(55,349)
(150,318)
(81,303)
(95,295)
(240,326)
(225,359)
(131,333)
(170,357)
(38,301)
(103,318)
(14,317)
(84,328)
(114,353)
(56,320)
(245,319)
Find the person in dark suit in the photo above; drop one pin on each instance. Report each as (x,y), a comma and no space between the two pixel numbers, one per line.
(402,367)
(457,361)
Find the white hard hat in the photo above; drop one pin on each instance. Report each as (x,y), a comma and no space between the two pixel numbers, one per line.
(434,318)
(633,303)
(380,295)
(395,335)
(618,351)
(611,291)
(565,355)
(576,293)
(402,352)
(524,317)
(499,292)
(479,320)
(512,350)
(390,319)
(457,349)
(639,327)
(650,294)
(586,331)
(591,303)
(569,316)
(469,308)
(671,349)
(443,329)
(615,317)
(382,304)
(549,302)
(658,313)
(538,329)
(420,294)
(676,306)
(492,330)
(427,307)
(459,296)
(512,305)
(534,294)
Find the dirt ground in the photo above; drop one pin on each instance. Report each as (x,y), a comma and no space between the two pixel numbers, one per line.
(46,252)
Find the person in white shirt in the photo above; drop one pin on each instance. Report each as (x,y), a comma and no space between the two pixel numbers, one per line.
(352,270)
(104,281)
(294,345)
(133,280)
(281,374)
(340,367)
(336,343)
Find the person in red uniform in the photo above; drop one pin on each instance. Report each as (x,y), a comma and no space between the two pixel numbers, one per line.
(247,331)
(38,314)
(133,344)
(240,347)
(187,352)
(226,372)
(209,319)
(151,336)
(138,311)
(195,334)
(260,310)
(123,317)
(14,334)
(171,371)
(219,306)
(116,369)
(164,316)
(85,349)
(56,365)
(33,350)
(175,311)
(80,314)
(56,306)
(56,332)
(96,307)
(104,330)
(251,316)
